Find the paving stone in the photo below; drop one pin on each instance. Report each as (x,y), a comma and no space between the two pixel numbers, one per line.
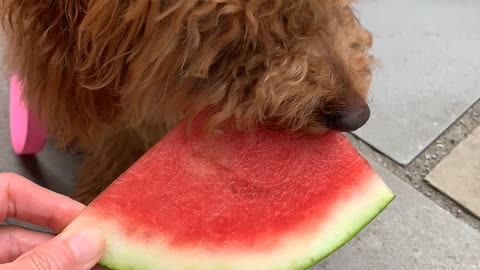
(429,73)
(413,233)
(458,175)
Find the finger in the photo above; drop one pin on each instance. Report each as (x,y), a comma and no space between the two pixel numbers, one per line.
(17,241)
(24,200)
(78,251)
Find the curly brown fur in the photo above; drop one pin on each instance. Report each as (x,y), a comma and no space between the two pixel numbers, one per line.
(105,74)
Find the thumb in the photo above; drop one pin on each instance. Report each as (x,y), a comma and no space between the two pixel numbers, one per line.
(75,251)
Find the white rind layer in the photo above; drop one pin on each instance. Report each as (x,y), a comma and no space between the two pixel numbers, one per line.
(296,252)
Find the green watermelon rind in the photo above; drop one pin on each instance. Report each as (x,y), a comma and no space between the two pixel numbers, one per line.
(349,236)
(123,255)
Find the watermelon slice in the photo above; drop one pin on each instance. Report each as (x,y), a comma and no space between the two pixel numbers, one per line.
(235,201)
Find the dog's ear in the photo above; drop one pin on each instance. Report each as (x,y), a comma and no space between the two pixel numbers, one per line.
(44,52)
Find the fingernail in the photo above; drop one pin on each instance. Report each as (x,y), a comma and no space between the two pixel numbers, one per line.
(86,245)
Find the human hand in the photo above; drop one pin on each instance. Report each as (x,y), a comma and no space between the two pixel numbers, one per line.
(22,249)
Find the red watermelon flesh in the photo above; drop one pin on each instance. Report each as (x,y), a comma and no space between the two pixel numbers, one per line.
(236,201)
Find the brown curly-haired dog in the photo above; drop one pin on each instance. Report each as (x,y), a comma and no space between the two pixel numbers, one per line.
(111,76)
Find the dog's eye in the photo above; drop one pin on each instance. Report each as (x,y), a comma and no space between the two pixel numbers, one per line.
(355,45)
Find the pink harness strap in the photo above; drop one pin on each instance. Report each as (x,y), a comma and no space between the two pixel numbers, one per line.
(27,135)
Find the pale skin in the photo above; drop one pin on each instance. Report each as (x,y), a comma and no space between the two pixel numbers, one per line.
(22,249)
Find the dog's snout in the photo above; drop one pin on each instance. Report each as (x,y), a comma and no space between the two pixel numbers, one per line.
(350,119)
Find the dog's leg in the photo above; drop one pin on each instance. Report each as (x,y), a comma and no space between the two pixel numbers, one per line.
(112,156)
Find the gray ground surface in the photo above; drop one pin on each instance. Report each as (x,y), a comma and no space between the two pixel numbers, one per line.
(417,170)
(429,73)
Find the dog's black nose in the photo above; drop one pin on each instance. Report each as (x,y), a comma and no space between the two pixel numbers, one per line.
(350,119)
